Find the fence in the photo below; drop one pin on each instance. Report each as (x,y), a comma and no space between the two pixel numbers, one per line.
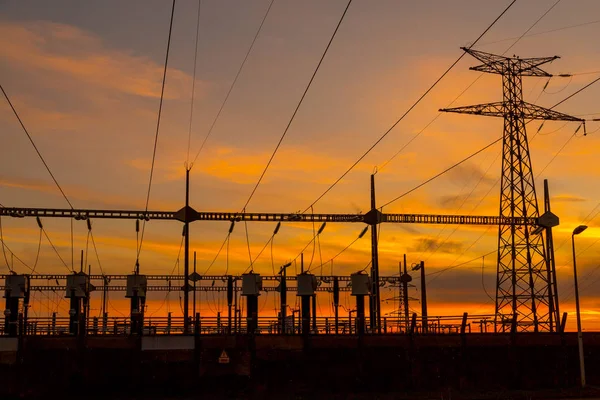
(172,325)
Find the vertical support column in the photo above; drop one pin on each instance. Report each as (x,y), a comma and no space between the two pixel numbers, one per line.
(553,308)
(229,302)
(423,298)
(374,301)
(251,286)
(76,291)
(360,315)
(307,284)
(405,279)
(186,259)
(361,287)
(314,313)
(336,302)
(305,304)
(194,294)
(283,297)
(136,292)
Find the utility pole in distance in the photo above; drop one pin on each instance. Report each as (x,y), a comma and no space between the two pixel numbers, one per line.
(421,266)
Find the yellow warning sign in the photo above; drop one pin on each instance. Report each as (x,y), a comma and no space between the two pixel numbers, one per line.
(224,358)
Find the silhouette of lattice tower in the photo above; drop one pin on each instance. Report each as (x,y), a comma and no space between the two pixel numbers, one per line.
(524,280)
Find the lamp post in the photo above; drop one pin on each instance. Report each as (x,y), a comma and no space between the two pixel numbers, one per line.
(577,231)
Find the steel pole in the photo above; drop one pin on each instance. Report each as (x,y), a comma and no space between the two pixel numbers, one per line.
(186,262)
(579,334)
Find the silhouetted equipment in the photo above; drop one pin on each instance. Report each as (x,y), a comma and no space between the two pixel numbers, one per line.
(230,294)
(524,285)
(78,286)
(307,285)
(251,287)
(136,292)
(187,215)
(16,288)
(361,287)
(283,296)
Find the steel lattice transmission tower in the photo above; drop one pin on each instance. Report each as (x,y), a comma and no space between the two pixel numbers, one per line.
(524,280)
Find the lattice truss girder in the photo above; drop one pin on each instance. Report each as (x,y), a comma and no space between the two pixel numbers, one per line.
(495,64)
(526,110)
(523,281)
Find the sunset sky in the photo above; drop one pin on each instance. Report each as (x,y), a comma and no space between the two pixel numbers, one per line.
(85,78)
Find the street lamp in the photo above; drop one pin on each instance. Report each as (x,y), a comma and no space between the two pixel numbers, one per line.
(577,231)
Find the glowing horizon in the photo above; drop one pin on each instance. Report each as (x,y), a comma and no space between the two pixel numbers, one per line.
(86,83)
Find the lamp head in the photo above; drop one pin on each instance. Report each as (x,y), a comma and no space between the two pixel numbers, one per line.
(579,229)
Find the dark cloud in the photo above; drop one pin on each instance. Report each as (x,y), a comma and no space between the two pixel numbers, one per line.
(428,244)
(469,174)
(567,198)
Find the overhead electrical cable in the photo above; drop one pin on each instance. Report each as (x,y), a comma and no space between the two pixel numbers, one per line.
(35,147)
(543,33)
(362,233)
(442,173)
(45,165)
(407,111)
(466,89)
(217,255)
(160,104)
(298,107)
(237,75)
(172,270)
(56,251)
(482,149)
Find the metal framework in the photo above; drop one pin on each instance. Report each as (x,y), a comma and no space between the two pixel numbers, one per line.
(524,283)
(187,215)
(369,218)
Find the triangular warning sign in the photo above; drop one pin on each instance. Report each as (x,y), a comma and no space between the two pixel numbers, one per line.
(224,358)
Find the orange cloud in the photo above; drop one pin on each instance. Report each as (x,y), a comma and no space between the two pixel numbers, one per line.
(79,55)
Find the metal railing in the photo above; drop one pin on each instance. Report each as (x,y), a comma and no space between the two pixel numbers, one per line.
(173,325)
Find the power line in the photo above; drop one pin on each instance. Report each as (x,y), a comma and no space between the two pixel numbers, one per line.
(162,92)
(45,165)
(217,255)
(442,173)
(466,89)
(298,107)
(407,111)
(3,250)
(484,148)
(96,251)
(441,271)
(35,147)
(55,250)
(233,83)
(344,249)
(544,32)
(576,92)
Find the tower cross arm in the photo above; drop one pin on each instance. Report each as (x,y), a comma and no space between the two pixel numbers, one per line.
(495,64)
(503,109)
(532,111)
(487,109)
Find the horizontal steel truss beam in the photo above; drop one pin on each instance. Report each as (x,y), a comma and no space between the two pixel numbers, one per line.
(164,288)
(180,278)
(83,214)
